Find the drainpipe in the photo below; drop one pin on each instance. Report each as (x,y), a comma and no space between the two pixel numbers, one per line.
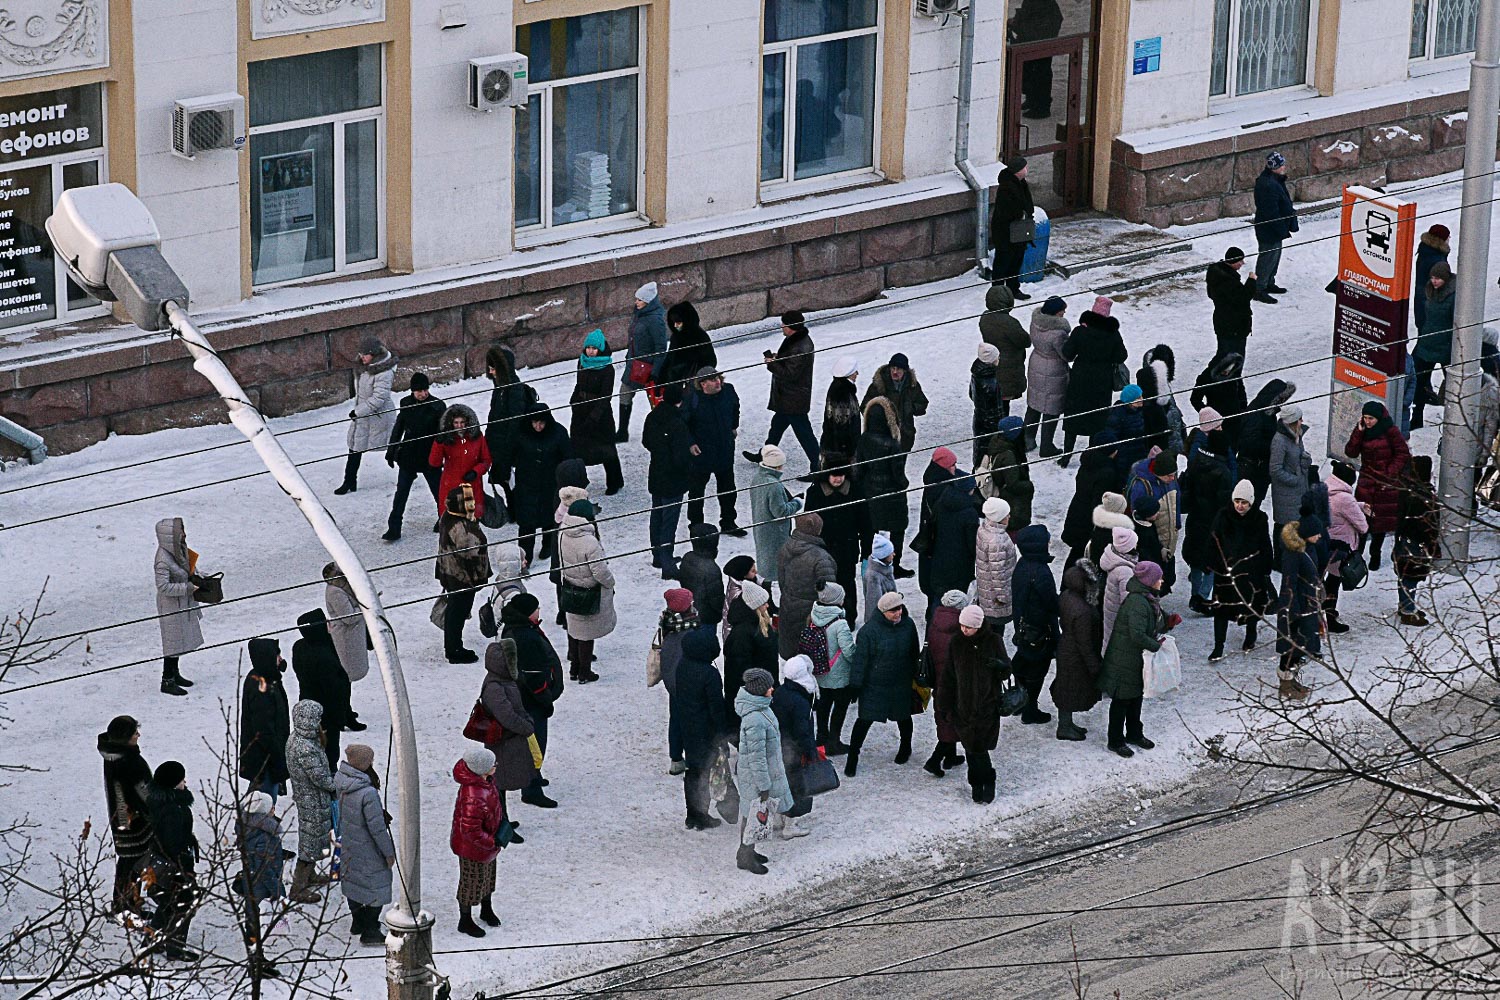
(36,448)
(961,142)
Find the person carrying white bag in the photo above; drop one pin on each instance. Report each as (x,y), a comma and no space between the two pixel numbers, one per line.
(1139,634)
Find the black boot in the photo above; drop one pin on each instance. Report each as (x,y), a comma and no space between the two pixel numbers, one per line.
(934,765)
(466,924)
(537,797)
(622,434)
(904,753)
(487,913)
(1031,715)
(371,934)
(351,475)
(851,764)
(746,860)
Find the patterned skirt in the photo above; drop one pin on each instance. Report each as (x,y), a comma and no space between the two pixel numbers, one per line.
(476,881)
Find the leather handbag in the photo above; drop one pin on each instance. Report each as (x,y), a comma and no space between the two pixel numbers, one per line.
(483,727)
(573,599)
(819,777)
(1023,230)
(641,372)
(1013,700)
(208,589)
(495,513)
(1354,572)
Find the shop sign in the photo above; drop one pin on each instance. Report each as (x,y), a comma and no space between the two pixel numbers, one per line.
(50,123)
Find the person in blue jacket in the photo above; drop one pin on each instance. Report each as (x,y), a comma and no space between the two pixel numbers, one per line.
(713,417)
(648,343)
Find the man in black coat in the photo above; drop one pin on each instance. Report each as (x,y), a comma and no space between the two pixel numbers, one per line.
(539,676)
(265,720)
(510,401)
(1231,298)
(698,708)
(1275,220)
(666,436)
(541,446)
(411,443)
(699,572)
(1013,204)
(712,415)
(320,678)
(791,368)
(847,533)
(174,853)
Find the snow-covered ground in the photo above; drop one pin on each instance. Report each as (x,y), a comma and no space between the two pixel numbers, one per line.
(614,860)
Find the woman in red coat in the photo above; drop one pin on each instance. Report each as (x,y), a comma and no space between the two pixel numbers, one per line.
(476,821)
(942,629)
(1383,457)
(460,451)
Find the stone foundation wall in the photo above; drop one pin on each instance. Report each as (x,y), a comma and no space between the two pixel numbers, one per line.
(1210,180)
(289,365)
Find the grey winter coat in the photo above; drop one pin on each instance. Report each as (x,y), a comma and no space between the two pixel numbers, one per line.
(368,849)
(805,563)
(1290,464)
(771,510)
(1047,369)
(994,562)
(502,697)
(374,407)
(179,613)
(1119,570)
(760,768)
(312,785)
(584,565)
(880,579)
(347,627)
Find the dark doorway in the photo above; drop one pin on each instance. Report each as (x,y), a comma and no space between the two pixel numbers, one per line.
(1048,106)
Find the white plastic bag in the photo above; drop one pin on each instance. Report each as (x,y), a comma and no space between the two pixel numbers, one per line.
(1163,669)
(758,822)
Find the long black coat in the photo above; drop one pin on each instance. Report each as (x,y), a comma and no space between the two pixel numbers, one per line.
(934,479)
(320,678)
(880,470)
(1080,646)
(265,717)
(538,667)
(1013,202)
(1255,431)
(1221,387)
(510,400)
(847,531)
(666,436)
(840,419)
(697,699)
(745,649)
(417,426)
(1093,349)
(1097,476)
(885,660)
(792,376)
(534,498)
(592,428)
(713,421)
(689,348)
(127,779)
(171,812)
(1241,562)
(1206,488)
(792,704)
(699,572)
(956,523)
(1231,297)
(1034,600)
(969,690)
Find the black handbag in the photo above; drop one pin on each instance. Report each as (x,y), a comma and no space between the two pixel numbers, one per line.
(1354,572)
(819,777)
(1013,699)
(1022,231)
(208,589)
(576,600)
(1031,636)
(488,626)
(495,514)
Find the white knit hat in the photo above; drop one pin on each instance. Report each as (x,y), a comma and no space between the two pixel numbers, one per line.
(258,803)
(996,510)
(1244,490)
(754,595)
(480,760)
(971,616)
(845,366)
(772,457)
(646,292)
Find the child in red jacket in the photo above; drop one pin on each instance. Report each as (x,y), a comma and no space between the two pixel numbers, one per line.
(476,822)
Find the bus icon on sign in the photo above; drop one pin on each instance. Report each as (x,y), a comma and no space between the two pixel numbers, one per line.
(1378,229)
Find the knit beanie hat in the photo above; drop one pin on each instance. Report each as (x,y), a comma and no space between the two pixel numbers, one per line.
(989,354)
(1310,525)
(1165,464)
(882,546)
(1113,502)
(754,595)
(1148,573)
(1345,472)
(1122,539)
(971,616)
(1373,409)
(772,457)
(121,728)
(955,599)
(891,601)
(1275,160)
(899,360)
(1243,490)
(1130,393)
(258,803)
(758,681)
(1011,427)
(793,317)
(420,381)
(647,292)
(996,510)
(1290,414)
(480,760)
(525,605)
(1210,419)
(1102,305)
(1053,306)
(739,567)
(370,344)
(1440,231)
(1234,255)
(1146,508)
(360,756)
(582,508)
(679,600)
(830,593)
(944,458)
(169,774)
(809,524)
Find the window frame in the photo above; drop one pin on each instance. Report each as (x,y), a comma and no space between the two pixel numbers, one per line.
(544,230)
(1427,62)
(788,185)
(1230,98)
(340,122)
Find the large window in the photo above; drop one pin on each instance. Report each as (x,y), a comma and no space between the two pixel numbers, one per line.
(578,142)
(1442,28)
(317,126)
(49,142)
(1259,45)
(819,66)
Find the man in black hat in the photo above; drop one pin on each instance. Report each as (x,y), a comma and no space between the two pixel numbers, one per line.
(1231,297)
(417,426)
(1012,224)
(791,367)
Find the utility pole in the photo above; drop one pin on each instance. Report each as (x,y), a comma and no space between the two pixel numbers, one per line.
(961,138)
(1461,444)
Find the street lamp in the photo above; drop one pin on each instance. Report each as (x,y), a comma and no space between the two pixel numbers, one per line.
(111,247)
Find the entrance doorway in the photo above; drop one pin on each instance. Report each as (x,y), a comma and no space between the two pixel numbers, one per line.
(1048,108)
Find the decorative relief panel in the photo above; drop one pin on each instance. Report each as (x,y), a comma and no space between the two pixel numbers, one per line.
(39,37)
(290,17)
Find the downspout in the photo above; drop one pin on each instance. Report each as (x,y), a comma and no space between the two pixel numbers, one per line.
(36,448)
(961,142)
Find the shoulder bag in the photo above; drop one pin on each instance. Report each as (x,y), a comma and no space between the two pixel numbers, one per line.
(208,589)
(653,661)
(573,599)
(1023,230)
(483,727)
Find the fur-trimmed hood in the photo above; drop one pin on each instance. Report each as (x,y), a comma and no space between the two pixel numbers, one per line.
(472,430)
(1441,246)
(384,363)
(1108,519)
(1291,537)
(888,409)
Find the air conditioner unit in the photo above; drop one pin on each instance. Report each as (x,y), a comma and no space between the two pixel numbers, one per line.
(497,82)
(941,8)
(200,124)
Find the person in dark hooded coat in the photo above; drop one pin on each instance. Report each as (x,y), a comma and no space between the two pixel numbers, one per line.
(666,436)
(1080,646)
(697,704)
(1205,490)
(1097,475)
(1221,387)
(127,781)
(699,572)
(689,349)
(1010,473)
(417,427)
(1257,431)
(942,468)
(880,474)
(320,678)
(510,401)
(460,451)
(542,444)
(1241,554)
(955,527)
(174,854)
(847,531)
(515,767)
(970,693)
(592,429)
(538,675)
(1093,349)
(840,419)
(1002,331)
(265,720)
(1034,603)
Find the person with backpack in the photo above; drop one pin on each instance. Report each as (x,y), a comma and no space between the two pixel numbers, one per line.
(886,656)
(942,630)
(969,693)
(829,631)
(539,677)
(1008,474)
(752,643)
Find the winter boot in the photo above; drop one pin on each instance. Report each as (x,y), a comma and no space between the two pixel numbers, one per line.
(1067,729)
(301,879)
(851,764)
(987,792)
(1289,689)
(370,932)
(1121,749)
(835,748)
(732,529)
(1033,716)
(466,924)
(169,685)
(623,433)
(537,797)
(934,765)
(904,753)
(1418,618)
(1336,624)
(462,655)
(1216,655)
(746,860)
(1249,642)
(392,534)
(487,913)
(953,760)
(788,828)
(351,475)
(700,822)
(677,767)
(1139,740)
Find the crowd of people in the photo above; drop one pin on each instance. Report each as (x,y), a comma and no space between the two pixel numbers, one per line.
(766,655)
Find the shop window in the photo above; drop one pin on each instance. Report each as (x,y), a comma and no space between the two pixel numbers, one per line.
(1442,28)
(578,144)
(317,145)
(819,79)
(1259,45)
(49,142)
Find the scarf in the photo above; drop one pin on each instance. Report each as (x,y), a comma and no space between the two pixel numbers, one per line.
(594,339)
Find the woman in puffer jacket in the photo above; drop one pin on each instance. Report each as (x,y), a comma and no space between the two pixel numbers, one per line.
(1118,563)
(994,563)
(312,790)
(833,687)
(761,774)
(1348,520)
(1046,376)
(476,822)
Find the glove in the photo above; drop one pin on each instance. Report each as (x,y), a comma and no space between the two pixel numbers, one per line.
(390,459)
(470,476)
(536,751)
(353,414)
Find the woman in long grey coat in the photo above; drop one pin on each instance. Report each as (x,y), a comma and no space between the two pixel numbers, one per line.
(771,510)
(369,853)
(584,565)
(346,624)
(312,790)
(177,611)
(374,412)
(501,694)
(1046,375)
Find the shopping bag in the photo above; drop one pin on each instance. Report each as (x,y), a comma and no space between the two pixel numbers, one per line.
(653,661)
(439,611)
(1163,669)
(758,822)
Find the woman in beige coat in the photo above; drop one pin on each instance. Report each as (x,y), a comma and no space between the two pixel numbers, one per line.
(177,611)
(346,626)
(584,566)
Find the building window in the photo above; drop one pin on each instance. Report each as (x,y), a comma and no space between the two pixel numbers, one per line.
(1442,28)
(317,164)
(1259,45)
(578,144)
(819,65)
(49,142)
